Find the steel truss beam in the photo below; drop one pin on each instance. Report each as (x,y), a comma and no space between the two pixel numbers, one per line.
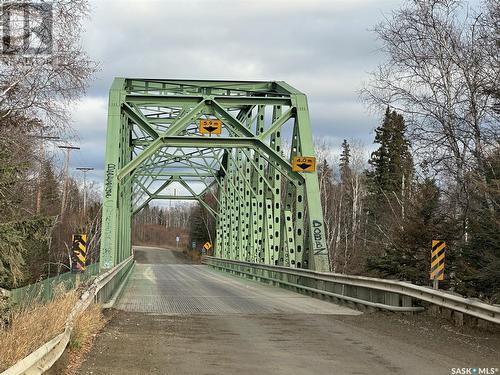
(265,212)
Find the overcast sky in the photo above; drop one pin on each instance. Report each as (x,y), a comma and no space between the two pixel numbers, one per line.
(323,48)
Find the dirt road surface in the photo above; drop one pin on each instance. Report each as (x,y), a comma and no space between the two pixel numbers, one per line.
(178,318)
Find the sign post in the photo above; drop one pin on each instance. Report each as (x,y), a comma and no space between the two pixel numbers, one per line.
(177,239)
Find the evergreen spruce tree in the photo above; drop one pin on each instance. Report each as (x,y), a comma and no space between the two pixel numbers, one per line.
(479,264)
(389,181)
(401,225)
(392,163)
(345,209)
(407,255)
(378,176)
(22,235)
(345,159)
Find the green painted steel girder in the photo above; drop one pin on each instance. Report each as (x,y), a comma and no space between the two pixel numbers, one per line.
(174,100)
(265,211)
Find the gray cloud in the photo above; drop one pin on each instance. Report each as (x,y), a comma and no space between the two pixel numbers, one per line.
(324,48)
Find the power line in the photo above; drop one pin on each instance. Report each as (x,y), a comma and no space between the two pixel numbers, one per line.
(65,186)
(42,160)
(84,170)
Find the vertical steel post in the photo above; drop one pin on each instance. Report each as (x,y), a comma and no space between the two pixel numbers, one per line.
(318,253)
(110,206)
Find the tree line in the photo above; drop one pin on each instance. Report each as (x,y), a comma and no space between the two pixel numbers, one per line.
(382,214)
(435,170)
(191,222)
(38,84)
(159,226)
(35,229)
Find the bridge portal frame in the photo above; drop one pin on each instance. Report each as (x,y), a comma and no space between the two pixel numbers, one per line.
(266,212)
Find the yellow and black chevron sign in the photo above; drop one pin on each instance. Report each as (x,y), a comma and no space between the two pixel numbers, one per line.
(79,249)
(437,259)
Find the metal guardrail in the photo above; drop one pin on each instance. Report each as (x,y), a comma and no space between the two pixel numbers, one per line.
(379,293)
(44,357)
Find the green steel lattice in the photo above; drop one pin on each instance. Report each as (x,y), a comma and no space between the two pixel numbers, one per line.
(266,212)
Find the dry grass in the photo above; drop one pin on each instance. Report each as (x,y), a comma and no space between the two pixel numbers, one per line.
(87,325)
(85,330)
(31,327)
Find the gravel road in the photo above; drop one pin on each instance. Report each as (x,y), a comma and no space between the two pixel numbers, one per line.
(178,318)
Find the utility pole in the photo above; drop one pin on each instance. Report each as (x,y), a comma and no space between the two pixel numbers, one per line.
(84,170)
(42,160)
(65,183)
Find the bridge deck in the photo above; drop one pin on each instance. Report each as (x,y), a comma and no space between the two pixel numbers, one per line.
(171,289)
(185,319)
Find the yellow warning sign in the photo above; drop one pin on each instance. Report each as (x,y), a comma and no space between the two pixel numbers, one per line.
(303,164)
(79,250)
(437,259)
(210,126)
(207,245)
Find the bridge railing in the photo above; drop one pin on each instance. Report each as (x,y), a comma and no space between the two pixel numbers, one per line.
(101,290)
(370,292)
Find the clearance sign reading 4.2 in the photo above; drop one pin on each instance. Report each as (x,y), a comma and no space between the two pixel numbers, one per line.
(303,163)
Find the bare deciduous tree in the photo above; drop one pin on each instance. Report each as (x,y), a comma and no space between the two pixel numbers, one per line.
(442,60)
(342,201)
(41,82)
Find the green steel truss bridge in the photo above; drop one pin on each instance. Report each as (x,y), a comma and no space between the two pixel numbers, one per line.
(156,144)
(238,143)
